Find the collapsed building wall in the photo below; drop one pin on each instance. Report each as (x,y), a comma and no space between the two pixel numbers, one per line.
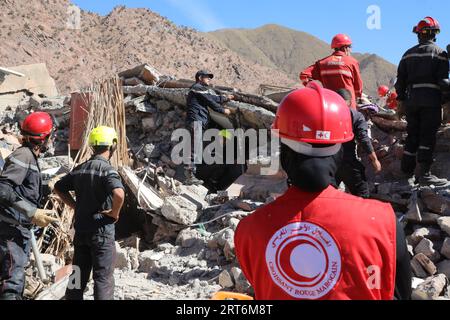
(183,241)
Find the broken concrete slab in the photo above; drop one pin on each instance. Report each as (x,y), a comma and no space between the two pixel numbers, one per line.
(426,264)
(195,194)
(431,288)
(37,80)
(258,187)
(434,202)
(187,238)
(444,224)
(145,72)
(180,210)
(418,270)
(427,248)
(148,260)
(147,197)
(225,280)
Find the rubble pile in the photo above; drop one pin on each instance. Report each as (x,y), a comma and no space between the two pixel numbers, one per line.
(423,211)
(185,249)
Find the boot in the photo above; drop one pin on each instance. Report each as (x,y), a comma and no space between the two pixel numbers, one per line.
(427,179)
(190,178)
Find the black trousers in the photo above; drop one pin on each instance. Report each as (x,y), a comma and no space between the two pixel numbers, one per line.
(94,251)
(15,246)
(423,124)
(353,173)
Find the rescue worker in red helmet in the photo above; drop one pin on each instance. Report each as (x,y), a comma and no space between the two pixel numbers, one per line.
(383,91)
(392,101)
(420,72)
(315,242)
(387,97)
(20,197)
(337,71)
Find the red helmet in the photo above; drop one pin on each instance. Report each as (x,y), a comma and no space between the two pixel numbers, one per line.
(341,40)
(427,24)
(383,91)
(37,126)
(392,101)
(313,115)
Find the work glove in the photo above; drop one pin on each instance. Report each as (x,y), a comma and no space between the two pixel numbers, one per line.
(42,218)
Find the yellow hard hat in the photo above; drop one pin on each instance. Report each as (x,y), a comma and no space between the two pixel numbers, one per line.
(226,134)
(102,136)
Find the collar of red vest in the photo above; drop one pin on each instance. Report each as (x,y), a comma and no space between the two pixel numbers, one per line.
(339,53)
(295,192)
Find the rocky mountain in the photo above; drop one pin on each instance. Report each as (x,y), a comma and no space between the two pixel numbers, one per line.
(37,31)
(291,51)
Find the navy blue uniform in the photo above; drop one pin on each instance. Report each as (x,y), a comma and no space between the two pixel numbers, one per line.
(352,171)
(20,195)
(93,183)
(420,72)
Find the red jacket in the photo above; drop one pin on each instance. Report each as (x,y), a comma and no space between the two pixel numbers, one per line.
(337,71)
(328,245)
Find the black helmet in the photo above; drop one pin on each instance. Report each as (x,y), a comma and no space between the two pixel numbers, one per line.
(203,73)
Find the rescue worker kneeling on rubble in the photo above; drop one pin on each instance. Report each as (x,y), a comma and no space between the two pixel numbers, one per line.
(339,70)
(99,195)
(20,197)
(315,242)
(420,72)
(200,98)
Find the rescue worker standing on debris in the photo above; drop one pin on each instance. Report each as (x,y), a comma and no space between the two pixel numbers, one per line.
(99,195)
(340,70)
(20,197)
(352,171)
(200,98)
(420,73)
(315,242)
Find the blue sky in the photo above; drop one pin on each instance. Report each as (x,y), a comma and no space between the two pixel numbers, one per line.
(322,19)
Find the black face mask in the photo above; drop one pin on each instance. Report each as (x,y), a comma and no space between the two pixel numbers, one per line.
(311,174)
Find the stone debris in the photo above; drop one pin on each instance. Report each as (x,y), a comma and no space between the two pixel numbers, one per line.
(183,247)
(431,288)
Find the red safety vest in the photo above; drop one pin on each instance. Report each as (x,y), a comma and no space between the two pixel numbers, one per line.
(337,71)
(328,246)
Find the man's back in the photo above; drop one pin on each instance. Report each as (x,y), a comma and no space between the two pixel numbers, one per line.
(337,71)
(419,73)
(327,245)
(93,182)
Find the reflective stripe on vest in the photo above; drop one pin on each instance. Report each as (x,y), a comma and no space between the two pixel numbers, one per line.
(336,72)
(93,173)
(420,55)
(426,85)
(23,164)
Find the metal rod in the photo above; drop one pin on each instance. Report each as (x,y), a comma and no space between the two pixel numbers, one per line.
(8,71)
(37,256)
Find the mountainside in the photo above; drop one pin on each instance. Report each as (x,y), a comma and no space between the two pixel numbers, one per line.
(291,51)
(36,31)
